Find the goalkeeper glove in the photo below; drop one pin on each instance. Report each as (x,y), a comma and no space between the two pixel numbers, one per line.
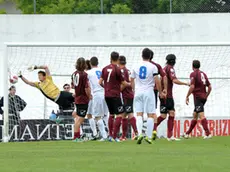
(32,68)
(20,74)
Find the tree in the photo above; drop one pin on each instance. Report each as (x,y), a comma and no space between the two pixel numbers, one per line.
(142,6)
(120,9)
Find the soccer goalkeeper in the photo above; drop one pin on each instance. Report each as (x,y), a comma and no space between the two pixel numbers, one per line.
(48,88)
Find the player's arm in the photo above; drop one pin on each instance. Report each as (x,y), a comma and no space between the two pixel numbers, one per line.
(132,83)
(88,91)
(209,86)
(191,88)
(32,68)
(33,84)
(101,80)
(178,82)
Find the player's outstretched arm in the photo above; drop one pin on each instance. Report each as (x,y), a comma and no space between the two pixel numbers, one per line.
(191,88)
(26,80)
(32,68)
(178,82)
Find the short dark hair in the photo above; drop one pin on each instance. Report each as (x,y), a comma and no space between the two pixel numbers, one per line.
(196,64)
(146,53)
(12,87)
(114,56)
(88,66)
(42,72)
(122,60)
(94,61)
(171,59)
(151,55)
(66,85)
(80,64)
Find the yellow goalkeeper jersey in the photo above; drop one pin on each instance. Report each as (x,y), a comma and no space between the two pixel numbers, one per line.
(48,88)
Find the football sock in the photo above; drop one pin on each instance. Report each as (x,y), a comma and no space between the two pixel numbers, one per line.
(93,126)
(101,128)
(116,126)
(204,123)
(149,127)
(170,126)
(155,127)
(80,130)
(124,127)
(133,123)
(105,119)
(159,120)
(110,123)
(192,125)
(139,125)
(76,135)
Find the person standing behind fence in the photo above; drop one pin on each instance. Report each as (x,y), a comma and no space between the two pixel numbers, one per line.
(16,105)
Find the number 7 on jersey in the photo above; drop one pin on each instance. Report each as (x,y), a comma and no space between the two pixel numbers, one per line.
(109,71)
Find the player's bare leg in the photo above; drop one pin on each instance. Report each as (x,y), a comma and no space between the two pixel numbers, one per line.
(170,126)
(124,126)
(204,124)
(192,125)
(116,127)
(92,125)
(77,125)
(74,115)
(133,123)
(150,123)
(101,128)
(139,127)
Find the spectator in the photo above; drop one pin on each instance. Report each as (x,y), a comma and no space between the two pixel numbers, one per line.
(16,105)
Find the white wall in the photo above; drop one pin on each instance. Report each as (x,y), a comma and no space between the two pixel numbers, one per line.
(110,28)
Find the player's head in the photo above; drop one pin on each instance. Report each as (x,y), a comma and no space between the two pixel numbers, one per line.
(94,61)
(146,54)
(12,90)
(171,59)
(81,64)
(114,56)
(122,60)
(66,87)
(151,56)
(196,64)
(41,75)
(88,66)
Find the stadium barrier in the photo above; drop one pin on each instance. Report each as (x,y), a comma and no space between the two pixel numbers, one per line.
(35,130)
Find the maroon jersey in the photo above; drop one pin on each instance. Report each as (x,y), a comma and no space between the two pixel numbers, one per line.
(171,75)
(112,77)
(160,71)
(127,93)
(200,81)
(80,83)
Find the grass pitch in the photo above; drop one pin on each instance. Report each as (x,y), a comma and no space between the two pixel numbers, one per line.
(193,155)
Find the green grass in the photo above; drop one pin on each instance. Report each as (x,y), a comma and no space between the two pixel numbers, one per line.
(193,155)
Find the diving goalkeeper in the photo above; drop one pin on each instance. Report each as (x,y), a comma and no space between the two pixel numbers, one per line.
(48,88)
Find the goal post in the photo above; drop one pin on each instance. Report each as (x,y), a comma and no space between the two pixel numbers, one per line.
(61,58)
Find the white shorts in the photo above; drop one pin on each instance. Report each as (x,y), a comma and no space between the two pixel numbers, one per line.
(145,101)
(99,105)
(90,108)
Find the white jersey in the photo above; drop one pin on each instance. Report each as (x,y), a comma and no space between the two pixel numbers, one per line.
(144,73)
(94,75)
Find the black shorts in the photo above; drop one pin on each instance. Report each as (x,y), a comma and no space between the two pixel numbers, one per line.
(81,110)
(65,100)
(128,105)
(199,105)
(114,105)
(156,97)
(166,105)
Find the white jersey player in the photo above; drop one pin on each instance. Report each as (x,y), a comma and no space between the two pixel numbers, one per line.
(143,79)
(98,102)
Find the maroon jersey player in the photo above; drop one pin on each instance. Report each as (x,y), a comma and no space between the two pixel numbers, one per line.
(127,96)
(112,79)
(164,80)
(80,84)
(199,83)
(167,104)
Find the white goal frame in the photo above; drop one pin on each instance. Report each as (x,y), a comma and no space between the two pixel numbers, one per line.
(5,134)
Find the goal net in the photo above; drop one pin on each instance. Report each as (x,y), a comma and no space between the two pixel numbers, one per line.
(35,122)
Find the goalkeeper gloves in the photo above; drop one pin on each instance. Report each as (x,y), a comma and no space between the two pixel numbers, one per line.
(32,68)
(20,74)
